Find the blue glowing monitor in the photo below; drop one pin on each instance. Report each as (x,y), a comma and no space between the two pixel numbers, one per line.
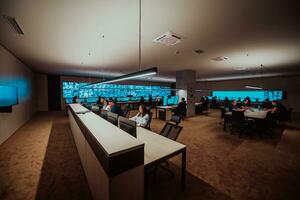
(254,95)
(8,96)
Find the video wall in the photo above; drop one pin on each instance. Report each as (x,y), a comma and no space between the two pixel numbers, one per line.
(122,93)
(261,95)
(8,96)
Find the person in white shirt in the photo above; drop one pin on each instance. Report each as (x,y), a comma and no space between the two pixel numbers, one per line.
(105,105)
(142,118)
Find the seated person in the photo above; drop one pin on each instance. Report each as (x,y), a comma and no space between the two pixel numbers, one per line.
(142,101)
(115,108)
(233,106)
(246,104)
(226,102)
(181,108)
(278,110)
(267,104)
(142,118)
(75,99)
(105,105)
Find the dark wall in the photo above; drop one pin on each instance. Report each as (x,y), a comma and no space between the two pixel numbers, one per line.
(54,102)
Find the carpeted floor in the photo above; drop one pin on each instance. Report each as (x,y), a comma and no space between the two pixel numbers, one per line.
(40,162)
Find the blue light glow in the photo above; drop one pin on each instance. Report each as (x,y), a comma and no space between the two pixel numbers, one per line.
(123,93)
(261,95)
(8,96)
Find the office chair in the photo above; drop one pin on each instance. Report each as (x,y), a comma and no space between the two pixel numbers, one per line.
(176,119)
(127,125)
(112,118)
(103,114)
(172,132)
(149,122)
(238,122)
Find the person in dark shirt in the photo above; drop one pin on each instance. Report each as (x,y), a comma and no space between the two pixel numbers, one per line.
(181,108)
(226,102)
(267,104)
(279,111)
(233,105)
(247,103)
(115,108)
(75,99)
(142,100)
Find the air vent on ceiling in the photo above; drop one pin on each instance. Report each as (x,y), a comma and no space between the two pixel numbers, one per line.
(199,51)
(168,39)
(13,24)
(220,58)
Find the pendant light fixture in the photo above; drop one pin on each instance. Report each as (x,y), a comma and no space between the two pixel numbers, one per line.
(134,75)
(253,87)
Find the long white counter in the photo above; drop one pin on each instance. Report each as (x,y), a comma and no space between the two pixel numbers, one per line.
(113,160)
(110,157)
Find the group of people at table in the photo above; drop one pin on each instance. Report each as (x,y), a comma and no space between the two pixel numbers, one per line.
(274,107)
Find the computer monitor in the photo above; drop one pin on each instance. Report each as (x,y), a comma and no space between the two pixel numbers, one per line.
(103,113)
(112,118)
(127,125)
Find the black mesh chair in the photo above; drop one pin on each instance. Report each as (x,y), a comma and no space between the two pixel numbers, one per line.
(112,118)
(238,122)
(148,126)
(103,113)
(176,119)
(172,132)
(127,125)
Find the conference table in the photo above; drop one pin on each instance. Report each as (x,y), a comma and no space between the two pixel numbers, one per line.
(257,115)
(112,158)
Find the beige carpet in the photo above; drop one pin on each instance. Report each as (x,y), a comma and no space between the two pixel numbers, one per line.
(241,168)
(40,162)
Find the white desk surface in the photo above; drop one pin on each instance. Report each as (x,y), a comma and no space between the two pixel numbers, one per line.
(111,138)
(156,146)
(165,107)
(255,115)
(78,107)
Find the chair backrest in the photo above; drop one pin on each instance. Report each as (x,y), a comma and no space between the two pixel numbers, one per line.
(237,118)
(149,122)
(127,125)
(171,131)
(176,119)
(166,129)
(289,114)
(112,118)
(103,113)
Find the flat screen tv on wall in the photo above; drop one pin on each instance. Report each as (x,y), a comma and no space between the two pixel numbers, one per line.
(8,98)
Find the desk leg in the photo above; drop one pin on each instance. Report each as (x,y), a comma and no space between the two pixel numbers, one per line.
(225,123)
(183,170)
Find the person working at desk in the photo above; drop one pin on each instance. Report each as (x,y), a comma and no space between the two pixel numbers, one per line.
(75,99)
(114,108)
(247,103)
(105,104)
(142,118)
(278,110)
(267,104)
(233,105)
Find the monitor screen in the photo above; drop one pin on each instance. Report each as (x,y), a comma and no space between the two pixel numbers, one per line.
(8,96)
(259,95)
(121,92)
